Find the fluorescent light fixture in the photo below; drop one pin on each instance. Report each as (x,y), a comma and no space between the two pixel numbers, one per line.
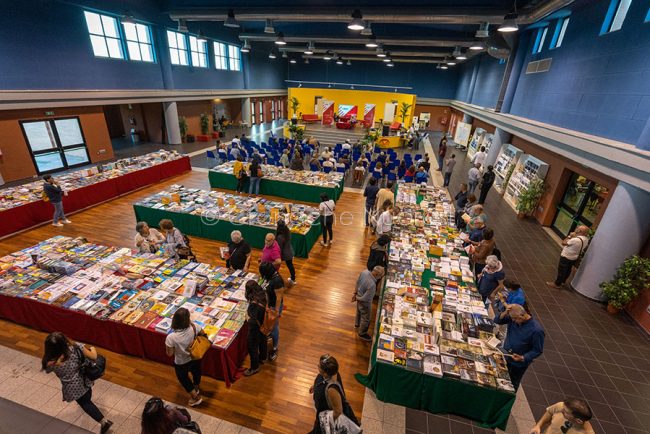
(357,21)
(231,21)
(310,48)
(367,31)
(182,26)
(280,39)
(292,61)
(272,55)
(476,46)
(509,24)
(483,31)
(247,47)
(268,28)
(372,42)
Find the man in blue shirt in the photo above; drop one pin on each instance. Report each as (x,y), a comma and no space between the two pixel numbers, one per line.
(524,340)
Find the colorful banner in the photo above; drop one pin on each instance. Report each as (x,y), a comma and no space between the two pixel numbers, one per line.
(348,111)
(328,112)
(369,115)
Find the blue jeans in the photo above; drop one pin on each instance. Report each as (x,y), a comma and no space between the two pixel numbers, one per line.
(254,184)
(471,186)
(275,334)
(59,215)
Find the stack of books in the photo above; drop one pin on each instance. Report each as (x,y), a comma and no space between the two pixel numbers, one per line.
(275,173)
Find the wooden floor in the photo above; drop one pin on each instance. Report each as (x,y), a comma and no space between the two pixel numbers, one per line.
(318,319)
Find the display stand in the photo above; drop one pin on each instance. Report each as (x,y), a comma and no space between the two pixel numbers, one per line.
(475,143)
(463,130)
(487,142)
(526,170)
(506,161)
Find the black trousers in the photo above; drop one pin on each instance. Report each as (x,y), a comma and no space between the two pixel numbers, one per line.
(483,195)
(563,270)
(183,374)
(291,268)
(327,222)
(86,403)
(240,184)
(257,346)
(516,374)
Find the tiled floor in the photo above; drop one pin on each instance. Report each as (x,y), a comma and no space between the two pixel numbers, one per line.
(18,418)
(588,353)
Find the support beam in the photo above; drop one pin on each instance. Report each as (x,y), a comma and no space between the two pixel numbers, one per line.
(171,123)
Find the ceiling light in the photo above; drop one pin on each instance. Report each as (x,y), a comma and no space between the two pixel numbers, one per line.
(339,61)
(349,63)
(352,86)
(438,66)
(307,61)
(476,46)
(380,52)
(509,24)
(280,40)
(461,56)
(182,26)
(292,61)
(272,55)
(451,62)
(329,85)
(284,54)
(310,48)
(483,31)
(327,55)
(231,21)
(367,31)
(357,21)
(444,67)
(299,84)
(372,42)
(456,52)
(200,37)
(390,64)
(268,28)
(386,59)
(128,18)
(246,48)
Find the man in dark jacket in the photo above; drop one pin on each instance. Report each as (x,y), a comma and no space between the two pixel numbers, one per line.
(486,184)
(378,253)
(370,194)
(55,194)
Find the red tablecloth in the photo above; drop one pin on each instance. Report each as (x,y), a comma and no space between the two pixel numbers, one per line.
(119,337)
(31,214)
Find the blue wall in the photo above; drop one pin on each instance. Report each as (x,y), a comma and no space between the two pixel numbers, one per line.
(45,45)
(488,77)
(597,84)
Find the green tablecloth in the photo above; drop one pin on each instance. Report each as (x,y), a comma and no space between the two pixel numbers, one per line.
(220,230)
(270,187)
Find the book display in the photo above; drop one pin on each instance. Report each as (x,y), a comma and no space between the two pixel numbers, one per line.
(432,322)
(505,166)
(526,169)
(475,142)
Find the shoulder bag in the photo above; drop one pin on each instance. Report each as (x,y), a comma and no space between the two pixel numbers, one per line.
(199,346)
(91,369)
(581,255)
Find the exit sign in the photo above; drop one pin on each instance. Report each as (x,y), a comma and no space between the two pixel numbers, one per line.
(49,113)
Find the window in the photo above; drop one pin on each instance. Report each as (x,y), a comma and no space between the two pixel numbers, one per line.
(177,48)
(138,42)
(220,59)
(647,17)
(272,109)
(252,113)
(104,35)
(615,16)
(55,144)
(558,35)
(234,58)
(539,40)
(199,50)
(261,112)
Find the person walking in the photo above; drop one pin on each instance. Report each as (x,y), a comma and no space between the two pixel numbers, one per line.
(370,193)
(574,246)
(176,344)
(472,178)
(363,295)
(442,151)
(326,209)
(257,342)
(273,284)
(54,193)
(161,418)
(255,169)
(283,238)
(486,184)
(449,168)
(239,252)
(239,170)
(65,358)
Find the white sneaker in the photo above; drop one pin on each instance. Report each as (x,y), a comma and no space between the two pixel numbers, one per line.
(67,222)
(58,225)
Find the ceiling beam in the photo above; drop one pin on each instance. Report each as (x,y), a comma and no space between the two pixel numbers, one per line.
(420,42)
(368,51)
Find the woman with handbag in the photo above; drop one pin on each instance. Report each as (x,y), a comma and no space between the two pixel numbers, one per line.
(66,359)
(257,341)
(273,284)
(177,344)
(161,418)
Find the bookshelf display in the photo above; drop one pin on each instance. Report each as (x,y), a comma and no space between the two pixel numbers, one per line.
(506,161)
(526,169)
(475,142)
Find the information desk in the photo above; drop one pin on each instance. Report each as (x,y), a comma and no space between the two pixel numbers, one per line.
(288,190)
(119,337)
(220,230)
(34,213)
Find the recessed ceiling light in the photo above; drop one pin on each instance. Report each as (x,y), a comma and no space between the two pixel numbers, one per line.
(357,21)
(367,31)
(509,24)
(310,48)
(372,42)
(246,48)
(268,28)
(476,46)
(280,39)
(231,21)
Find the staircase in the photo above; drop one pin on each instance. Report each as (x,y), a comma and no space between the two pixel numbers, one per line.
(330,136)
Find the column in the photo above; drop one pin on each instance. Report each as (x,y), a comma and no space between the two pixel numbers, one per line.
(513,78)
(621,233)
(472,82)
(171,123)
(500,137)
(246,111)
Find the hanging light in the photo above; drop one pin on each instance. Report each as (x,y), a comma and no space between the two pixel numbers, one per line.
(268,28)
(339,61)
(307,61)
(182,26)
(329,85)
(460,55)
(456,52)
(450,62)
(327,55)
(200,37)
(390,64)
(352,86)
(444,67)
(292,61)
(509,23)
(300,84)
(310,48)
(280,39)
(372,42)
(246,48)
(272,55)
(483,31)
(387,58)
(231,21)
(380,52)
(284,54)
(476,46)
(357,21)
(438,66)
(349,63)
(367,31)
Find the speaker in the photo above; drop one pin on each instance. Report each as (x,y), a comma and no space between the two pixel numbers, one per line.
(385,130)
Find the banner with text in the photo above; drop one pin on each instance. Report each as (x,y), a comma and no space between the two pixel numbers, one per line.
(369,115)
(348,111)
(328,112)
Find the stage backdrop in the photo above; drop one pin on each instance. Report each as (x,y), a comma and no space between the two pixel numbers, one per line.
(358,98)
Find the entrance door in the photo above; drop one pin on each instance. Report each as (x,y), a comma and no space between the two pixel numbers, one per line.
(55,144)
(580,205)
(389,111)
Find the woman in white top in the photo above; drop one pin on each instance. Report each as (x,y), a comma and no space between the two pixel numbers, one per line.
(177,342)
(385,220)
(326,209)
(147,240)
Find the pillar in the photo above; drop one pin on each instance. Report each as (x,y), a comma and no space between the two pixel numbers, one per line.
(472,81)
(500,137)
(621,233)
(514,74)
(171,123)
(246,111)
(644,139)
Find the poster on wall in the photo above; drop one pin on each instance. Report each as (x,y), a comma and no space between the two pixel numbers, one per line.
(463,131)
(369,115)
(425,118)
(328,112)
(348,111)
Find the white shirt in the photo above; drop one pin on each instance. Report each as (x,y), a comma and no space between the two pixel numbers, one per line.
(327,208)
(474,174)
(479,158)
(574,246)
(154,237)
(328,163)
(326,154)
(346,146)
(179,341)
(235,141)
(384,222)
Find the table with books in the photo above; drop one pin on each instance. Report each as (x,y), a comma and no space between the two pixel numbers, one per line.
(301,185)
(123,301)
(435,347)
(215,214)
(22,206)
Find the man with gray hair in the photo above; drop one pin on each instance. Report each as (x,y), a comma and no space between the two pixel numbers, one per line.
(574,246)
(239,252)
(524,340)
(363,295)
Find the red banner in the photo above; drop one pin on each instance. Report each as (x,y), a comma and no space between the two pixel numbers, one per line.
(369,115)
(328,112)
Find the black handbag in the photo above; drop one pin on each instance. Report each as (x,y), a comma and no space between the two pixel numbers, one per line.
(91,369)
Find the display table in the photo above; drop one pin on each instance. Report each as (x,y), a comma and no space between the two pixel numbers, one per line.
(288,190)
(119,337)
(34,213)
(220,230)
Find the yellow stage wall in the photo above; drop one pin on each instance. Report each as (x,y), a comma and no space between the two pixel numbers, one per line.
(360,98)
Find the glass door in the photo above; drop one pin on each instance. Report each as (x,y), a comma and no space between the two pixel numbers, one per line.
(581,205)
(56,144)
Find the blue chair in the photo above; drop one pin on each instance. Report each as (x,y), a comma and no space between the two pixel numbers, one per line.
(408,179)
(340,169)
(376,175)
(392,176)
(327,169)
(418,157)
(211,156)
(314,168)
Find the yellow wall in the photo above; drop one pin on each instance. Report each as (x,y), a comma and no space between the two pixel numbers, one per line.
(360,98)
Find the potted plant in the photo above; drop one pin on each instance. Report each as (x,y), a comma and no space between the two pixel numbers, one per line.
(529,198)
(631,277)
(293,101)
(182,126)
(404,110)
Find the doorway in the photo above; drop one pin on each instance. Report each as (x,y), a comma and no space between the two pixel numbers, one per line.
(581,204)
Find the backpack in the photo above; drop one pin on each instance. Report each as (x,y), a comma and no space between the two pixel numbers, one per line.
(90,369)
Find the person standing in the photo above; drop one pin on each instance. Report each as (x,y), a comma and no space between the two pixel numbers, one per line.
(491,278)
(283,237)
(363,295)
(383,195)
(574,245)
(385,219)
(472,178)
(524,340)
(370,193)
(256,175)
(449,168)
(482,250)
(486,184)
(271,251)
(378,253)
(62,357)
(284,159)
(55,194)
(273,284)
(442,151)
(297,162)
(239,252)
(177,344)
(515,294)
(239,170)
(570,416)
(326,209)
(421,176)
(461,197)
(479,158)
(257,344)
